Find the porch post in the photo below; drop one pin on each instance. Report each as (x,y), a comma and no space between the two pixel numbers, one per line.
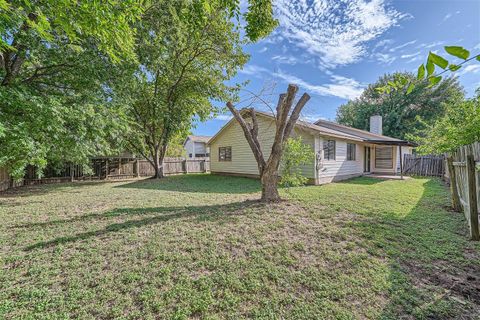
(401,162)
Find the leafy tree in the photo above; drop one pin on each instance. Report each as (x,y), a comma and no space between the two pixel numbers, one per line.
(54,68)
(426,71)
(400,110)
(184,60)
(459,126)
(57,63)
(295,154)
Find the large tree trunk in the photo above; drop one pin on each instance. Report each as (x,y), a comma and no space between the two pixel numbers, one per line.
(158,164)
(269,181)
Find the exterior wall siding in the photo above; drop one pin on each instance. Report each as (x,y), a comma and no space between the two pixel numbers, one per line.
(341,168)
(243,160)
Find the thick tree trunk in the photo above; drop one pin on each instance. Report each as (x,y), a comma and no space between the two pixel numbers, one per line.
(269,181)
(158,165)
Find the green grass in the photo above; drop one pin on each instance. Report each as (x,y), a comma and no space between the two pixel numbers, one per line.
(199,246)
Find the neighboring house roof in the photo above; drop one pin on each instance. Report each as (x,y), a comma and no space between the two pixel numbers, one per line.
(330,129)
(203,139)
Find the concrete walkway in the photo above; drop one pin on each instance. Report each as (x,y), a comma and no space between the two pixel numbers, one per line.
(387,176)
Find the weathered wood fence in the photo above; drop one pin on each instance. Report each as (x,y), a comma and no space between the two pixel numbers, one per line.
(429,165)
(103,168)
(464,172)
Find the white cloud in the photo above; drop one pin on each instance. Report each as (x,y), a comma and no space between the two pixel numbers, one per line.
(470,69)
(430,45)
(311,117)
(341,87)
(263,50)
(477,47)
(285,59)
(383,43)
(384,58)
(411,55)
(406,44)
(334,31)
(252,70)
(416,58)
(447,16)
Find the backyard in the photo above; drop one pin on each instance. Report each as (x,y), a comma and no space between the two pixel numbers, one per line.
(200,246)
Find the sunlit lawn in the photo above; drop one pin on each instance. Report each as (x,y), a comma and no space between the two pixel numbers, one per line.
(199,246)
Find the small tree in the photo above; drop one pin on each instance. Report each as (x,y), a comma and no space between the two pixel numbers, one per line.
(296,154)
(285,120)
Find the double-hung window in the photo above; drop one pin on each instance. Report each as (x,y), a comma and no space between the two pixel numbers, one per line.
(351,151)
(225,154)
(329,150)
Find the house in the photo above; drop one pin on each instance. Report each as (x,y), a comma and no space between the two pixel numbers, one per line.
(341,152)
(196,147)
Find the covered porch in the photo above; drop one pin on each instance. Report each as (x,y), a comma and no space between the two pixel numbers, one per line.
(384,159)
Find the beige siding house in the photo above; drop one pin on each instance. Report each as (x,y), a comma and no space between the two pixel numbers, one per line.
(340,152)
(196,147)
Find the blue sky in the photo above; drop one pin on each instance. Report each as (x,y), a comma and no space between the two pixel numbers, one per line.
(332,49)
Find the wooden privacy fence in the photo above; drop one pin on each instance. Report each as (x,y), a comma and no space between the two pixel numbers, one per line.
(463,168)
(103,168)
(429,165)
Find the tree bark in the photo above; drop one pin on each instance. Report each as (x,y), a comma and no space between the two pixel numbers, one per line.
(158,165)
(158,158)
(269,181)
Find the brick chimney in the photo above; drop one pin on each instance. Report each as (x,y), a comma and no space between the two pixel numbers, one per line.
(376,124)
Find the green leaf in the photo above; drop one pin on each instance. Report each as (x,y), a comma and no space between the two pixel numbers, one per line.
(421,72)
(453,67)
(458,52)
(410,88)
(434,80)
(430,68)
(478,57)
(436,59)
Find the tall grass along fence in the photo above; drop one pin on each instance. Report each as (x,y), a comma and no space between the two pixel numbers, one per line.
(103,168)
(464,172)
(429,165)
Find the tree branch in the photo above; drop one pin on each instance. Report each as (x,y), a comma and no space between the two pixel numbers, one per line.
(252,140)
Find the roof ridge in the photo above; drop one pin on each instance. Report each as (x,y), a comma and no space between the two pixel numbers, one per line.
(355,129)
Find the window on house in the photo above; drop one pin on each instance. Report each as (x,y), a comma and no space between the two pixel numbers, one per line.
(225,154)
(329,150)
(384,157)
(351,151)
(190,155)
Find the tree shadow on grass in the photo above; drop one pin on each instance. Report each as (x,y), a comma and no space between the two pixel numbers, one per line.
(198,183)
(214,213)
(431,259)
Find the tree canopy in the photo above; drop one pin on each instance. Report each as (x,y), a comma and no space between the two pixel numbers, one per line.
(184,60)
(401,111)
(459,126)
(59,65)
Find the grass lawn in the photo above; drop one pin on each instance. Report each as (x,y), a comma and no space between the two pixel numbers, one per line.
(198,246)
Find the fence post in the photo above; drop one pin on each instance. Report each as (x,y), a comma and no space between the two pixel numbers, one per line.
(137,168)
(185,163)
(457,206)
(472,198)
